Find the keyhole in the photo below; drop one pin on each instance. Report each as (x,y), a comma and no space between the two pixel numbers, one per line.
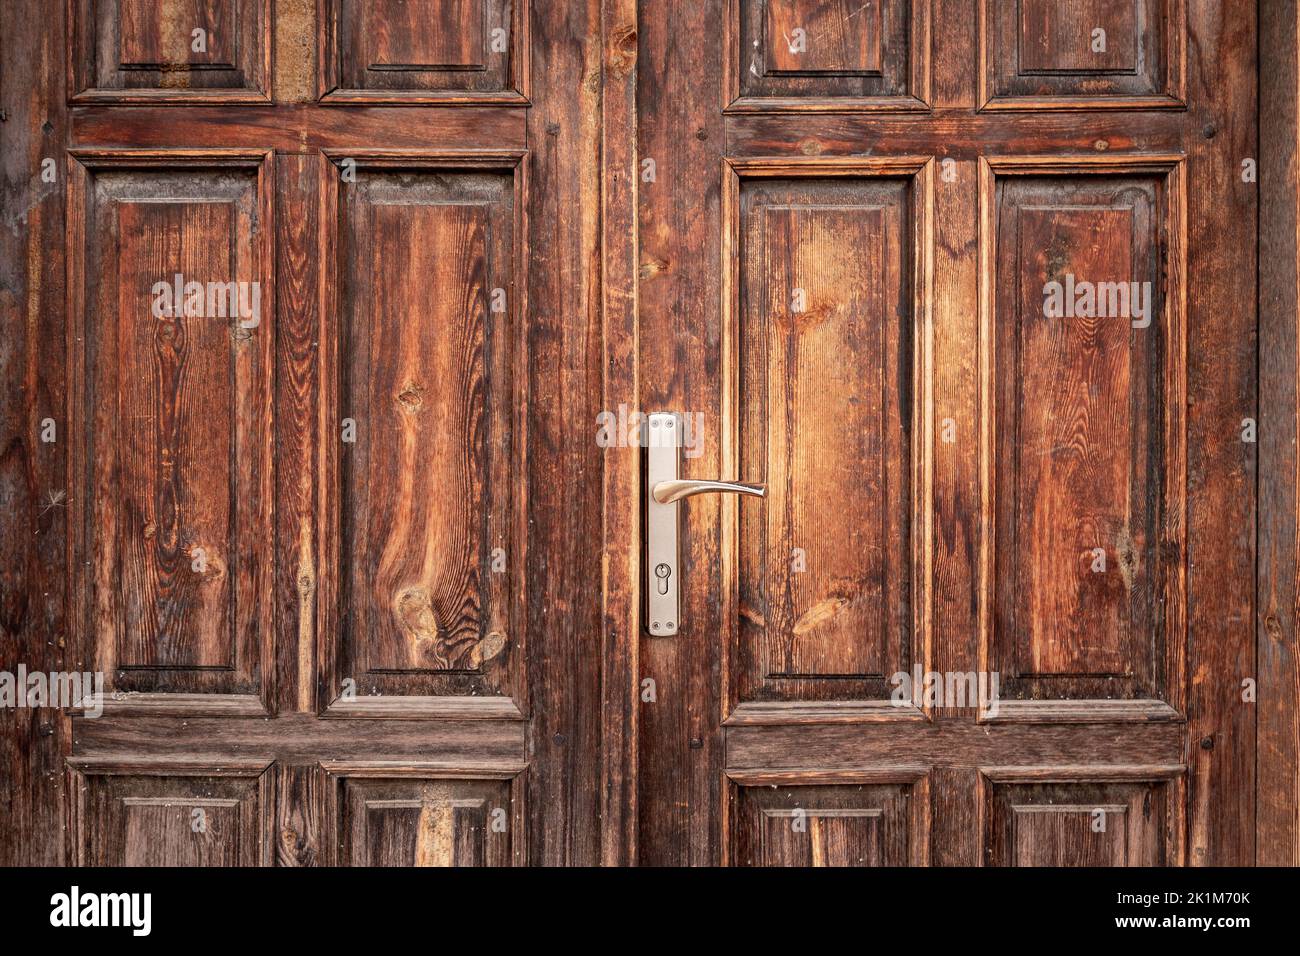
(661,572)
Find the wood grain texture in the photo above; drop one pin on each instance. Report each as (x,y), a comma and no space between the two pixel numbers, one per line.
(145,51)
(954,365)
(173,508)
(299,182)
(159,35)
(1083,54)
(845,827)
(680,811)
(839,36)
(620,365)
(955,743)
(410,36)
(1054,37)
(423,821)
(564,470)
(825,384)
(827,54)
(1080,407)
(172,399)
(1077,825)
(307,129)
(1278,727)
(1121,815)
(427,507)
(428,510)
(1222,383)
(430,573)
(424,51)
(297,739)
(958,134)
(829,820)
(34,488)
(1015,460)
(179,813)
(1088,499)
(298,812)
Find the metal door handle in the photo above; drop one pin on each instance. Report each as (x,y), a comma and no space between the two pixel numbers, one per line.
(664,490)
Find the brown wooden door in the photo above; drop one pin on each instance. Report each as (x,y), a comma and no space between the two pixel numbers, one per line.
(331,551)
(847,247)
(968,285)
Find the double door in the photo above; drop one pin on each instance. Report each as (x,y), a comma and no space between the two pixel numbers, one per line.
(362,308)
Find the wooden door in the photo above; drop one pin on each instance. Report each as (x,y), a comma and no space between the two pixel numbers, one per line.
(968,285)
(848,245)
(320,367)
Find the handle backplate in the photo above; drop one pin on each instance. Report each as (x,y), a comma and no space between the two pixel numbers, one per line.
(664,489)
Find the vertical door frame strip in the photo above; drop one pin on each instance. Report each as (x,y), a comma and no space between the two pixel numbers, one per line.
(1277,658)
(621,490)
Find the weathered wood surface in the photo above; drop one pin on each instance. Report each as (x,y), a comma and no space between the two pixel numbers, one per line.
(1278,764)
(34,493)
(1043,435)
(424,647)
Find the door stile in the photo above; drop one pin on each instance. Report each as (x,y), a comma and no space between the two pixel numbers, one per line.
(621,495)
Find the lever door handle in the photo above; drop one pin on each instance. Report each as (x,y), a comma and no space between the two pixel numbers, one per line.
(663,490)
(666,492)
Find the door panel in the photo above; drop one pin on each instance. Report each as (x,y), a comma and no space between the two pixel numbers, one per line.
(1087,422)
(186,812)
(843,820)
(1079,824)
(172,501)
(431,508)
(818,51)
(1088,55)
(384,819)
(170,51)
(311,547)
(390,51)
(970,578)
(824,355)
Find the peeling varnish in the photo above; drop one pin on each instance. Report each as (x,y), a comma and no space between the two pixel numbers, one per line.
(436,831)
(491,645)
(1126,557)
(295,53)
(818,614)
(306,604)
(413,607)
(175,35)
